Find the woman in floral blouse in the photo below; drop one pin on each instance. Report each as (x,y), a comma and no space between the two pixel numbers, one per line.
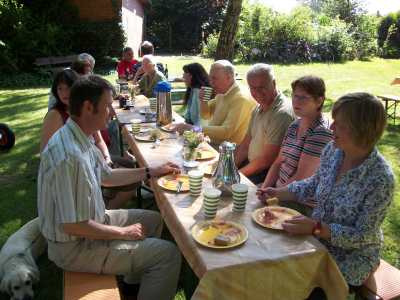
(353,188)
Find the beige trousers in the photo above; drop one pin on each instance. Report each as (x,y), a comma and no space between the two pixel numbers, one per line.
(153,262)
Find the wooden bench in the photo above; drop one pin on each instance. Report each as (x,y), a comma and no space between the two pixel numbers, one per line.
(55,63)
(87,286)
(383,284)
(391,102)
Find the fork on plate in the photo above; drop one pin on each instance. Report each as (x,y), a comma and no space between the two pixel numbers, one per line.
(179,186)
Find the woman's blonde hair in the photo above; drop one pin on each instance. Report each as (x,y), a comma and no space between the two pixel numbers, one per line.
(365,116)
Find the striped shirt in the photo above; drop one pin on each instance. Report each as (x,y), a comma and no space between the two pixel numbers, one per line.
(69,182)
(311,143)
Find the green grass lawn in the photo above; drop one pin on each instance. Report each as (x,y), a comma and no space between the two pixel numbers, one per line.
(23,110)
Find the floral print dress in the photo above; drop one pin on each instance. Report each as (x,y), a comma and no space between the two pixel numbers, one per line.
(354,208)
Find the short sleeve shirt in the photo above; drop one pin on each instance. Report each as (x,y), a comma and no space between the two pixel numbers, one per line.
(69,182)
(312,142)
(126,67)
(269,127)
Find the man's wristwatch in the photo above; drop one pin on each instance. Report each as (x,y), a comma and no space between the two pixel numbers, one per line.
(317,228)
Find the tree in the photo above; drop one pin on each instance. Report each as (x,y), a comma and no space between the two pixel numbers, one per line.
(182,25)
(226,41)
(315,5)
(346,10)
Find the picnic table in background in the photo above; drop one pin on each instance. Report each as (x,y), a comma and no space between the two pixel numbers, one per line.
(391,102)
(270,265)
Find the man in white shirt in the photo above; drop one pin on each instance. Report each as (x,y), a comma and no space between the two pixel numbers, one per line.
(82,236)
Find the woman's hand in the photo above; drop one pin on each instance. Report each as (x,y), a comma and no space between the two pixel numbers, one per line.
(301,225)
(165,169)
(283,194)
(263,193)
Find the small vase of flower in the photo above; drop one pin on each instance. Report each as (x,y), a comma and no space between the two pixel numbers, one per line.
(192,140)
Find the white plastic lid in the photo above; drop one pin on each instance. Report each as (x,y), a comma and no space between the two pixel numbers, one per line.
(195,173)
(240,187)
(212,192)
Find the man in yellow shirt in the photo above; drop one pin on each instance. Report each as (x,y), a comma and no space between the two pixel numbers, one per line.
(230,112)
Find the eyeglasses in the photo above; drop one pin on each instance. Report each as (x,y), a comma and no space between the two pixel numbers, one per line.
(301,98)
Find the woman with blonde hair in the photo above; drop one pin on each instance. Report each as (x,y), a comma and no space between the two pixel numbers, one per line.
(353,188)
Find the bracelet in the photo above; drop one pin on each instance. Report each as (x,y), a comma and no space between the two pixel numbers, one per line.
(148,176)
(317,228)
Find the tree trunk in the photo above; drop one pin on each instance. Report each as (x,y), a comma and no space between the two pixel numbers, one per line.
(226,41)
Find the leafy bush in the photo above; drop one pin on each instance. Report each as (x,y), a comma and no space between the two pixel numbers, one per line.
(210,48)
(389,36)
(26,36)
(25,80)
(182,25)
(100,39)
(365,36)
(43,28)
(304,35)
(333,42)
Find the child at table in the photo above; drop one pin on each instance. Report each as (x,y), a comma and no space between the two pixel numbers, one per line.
(125,67)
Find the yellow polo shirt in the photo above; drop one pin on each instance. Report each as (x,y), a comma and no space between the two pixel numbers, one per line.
(230,116)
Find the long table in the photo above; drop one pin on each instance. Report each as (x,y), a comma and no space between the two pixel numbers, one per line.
(269,265)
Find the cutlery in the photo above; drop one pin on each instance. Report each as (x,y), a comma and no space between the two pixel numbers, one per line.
(179,186)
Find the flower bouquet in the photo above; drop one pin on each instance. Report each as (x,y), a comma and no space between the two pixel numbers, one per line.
(192,140)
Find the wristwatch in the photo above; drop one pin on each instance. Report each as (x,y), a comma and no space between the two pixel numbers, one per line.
(317,228)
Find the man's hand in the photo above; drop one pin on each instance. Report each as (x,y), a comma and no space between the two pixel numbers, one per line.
(299,225)
(165,169)
(133,232)
(140,71)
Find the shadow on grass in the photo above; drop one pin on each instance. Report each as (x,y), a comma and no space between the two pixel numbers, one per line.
(392,136)
(17,106)
(389,146)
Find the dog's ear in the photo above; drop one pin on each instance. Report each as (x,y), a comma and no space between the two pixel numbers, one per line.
(5,285)
(34,274)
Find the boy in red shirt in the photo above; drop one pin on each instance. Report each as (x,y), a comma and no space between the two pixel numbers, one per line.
(125,67)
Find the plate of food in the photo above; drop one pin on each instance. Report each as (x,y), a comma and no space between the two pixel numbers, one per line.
(143,129)
(204,154)
(175,183)
(209,169)
(273,216)
(150,135)
(219,234)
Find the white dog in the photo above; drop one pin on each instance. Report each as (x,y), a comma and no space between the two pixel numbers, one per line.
(18,270)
